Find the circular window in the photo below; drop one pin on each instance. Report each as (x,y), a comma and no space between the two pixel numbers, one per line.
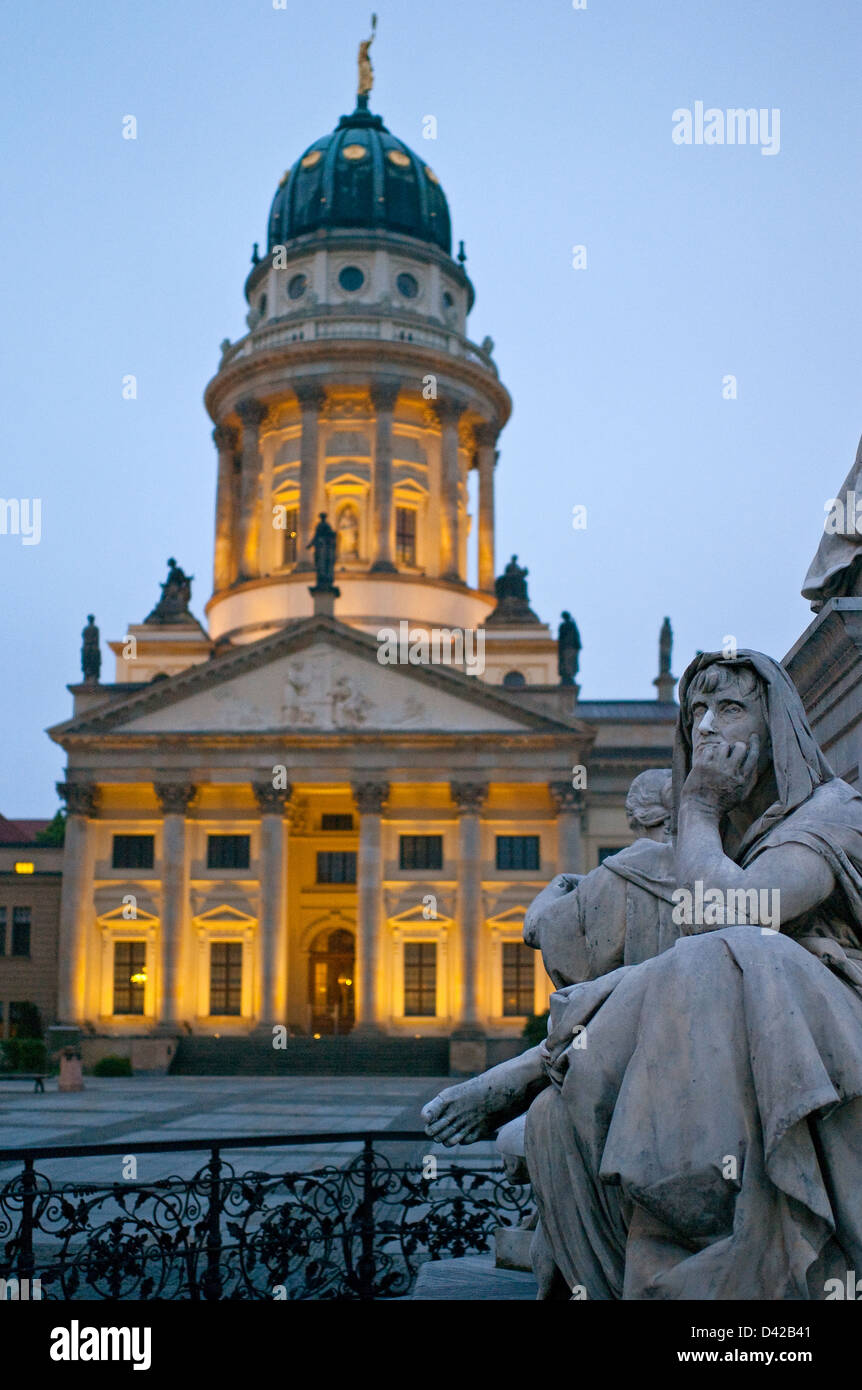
(408,285)
(514,680)
(354,152)
(351,278)
(399,159)
(313,157)
(296,286)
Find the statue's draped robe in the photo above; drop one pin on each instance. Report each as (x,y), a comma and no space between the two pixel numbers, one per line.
(706,1142)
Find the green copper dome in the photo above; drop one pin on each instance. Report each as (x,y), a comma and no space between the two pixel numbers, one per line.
(360,176)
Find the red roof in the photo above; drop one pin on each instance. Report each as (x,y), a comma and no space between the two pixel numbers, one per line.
(20,832)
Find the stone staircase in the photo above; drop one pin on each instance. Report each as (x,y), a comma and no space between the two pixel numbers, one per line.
(327,1056)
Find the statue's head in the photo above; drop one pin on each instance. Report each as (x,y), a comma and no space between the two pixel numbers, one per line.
(649,803)
(726,702)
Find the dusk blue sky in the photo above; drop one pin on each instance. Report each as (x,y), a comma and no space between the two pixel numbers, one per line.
(554,129)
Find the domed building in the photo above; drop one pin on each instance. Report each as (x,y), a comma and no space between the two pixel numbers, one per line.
(326,809)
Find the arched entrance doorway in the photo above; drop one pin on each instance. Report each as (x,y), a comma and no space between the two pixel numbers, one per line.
(331,973)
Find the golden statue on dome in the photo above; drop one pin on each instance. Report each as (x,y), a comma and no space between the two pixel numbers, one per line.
(366,71)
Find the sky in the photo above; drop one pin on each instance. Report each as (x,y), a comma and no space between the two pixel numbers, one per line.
(554,131)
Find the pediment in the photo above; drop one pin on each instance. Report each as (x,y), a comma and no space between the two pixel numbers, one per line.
(319,676)
(225,914)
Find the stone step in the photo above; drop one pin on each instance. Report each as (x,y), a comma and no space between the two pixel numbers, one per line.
(473,1277)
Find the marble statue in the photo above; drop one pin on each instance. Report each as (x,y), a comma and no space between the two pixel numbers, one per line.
(694,1116)
(836,570)
(649,803)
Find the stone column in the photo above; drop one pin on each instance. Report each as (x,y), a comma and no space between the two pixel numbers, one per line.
(252,413)
(272,928)
(569,803)
(370,798)
(469,798)
(486,438)
(224,569)
(76,902)
(174,799)
(384,394)
(311,396)
(449,411)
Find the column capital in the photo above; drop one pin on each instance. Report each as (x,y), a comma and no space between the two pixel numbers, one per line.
(174,797)
(81,798)
(384,392)
(370,796)
(449,409)
(251,412)
(271,800)
(225,438)
(486,433)
(566,798)
(310,393)
(469,797)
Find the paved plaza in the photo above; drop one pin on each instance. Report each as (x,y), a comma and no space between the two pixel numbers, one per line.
(139,1109)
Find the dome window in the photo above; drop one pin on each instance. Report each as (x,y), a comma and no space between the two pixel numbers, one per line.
(354,152)
(296,286)
(262,306)
(408,285)
(399,159)
(351,278)
(448,300)
(431,175)
(313,157)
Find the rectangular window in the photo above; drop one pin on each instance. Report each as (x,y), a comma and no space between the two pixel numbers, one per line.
(517,852)
(420,979)
(518,976)
(336,866)
(19,1012)
(130,975)
(133,851)
(291,532)
(20,931)
(228,851)
(421,851)
(226,978)
(2,931)
(405,535)
(336,820)
(605,852)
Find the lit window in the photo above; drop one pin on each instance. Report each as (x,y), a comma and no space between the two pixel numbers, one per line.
(518,977)
(420,979)
(225,978)
(291,528)
(336,866)
(130,975)
(421,851)
(405,535)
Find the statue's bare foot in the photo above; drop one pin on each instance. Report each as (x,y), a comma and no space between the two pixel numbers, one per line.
(460,1114)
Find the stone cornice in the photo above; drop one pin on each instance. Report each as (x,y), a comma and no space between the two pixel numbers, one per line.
(270,373)
(225,438)
(252,412)
(296,637)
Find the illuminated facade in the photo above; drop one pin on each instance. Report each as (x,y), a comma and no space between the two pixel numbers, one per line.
(266,823)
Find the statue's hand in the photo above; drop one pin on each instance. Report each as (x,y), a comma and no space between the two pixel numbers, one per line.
(722,775)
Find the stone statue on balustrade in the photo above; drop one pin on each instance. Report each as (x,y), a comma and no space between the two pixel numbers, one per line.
(694,1116)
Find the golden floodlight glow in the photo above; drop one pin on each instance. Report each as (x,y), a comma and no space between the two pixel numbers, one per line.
(140,978)
(24,867)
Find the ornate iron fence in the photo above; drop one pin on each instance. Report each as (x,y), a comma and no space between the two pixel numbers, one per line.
(358,1231)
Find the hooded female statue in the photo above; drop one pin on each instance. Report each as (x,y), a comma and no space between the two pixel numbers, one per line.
(695,1115)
